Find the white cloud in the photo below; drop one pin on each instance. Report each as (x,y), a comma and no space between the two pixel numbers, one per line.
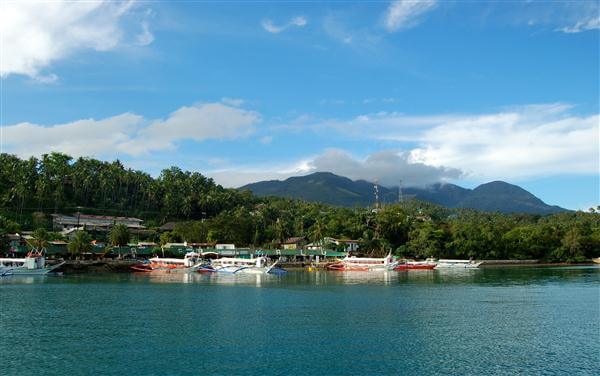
(145,37)
(525,141)
(297,21)
(131,134)
(235,102)
(402,14)
(386,167)
(266,140)
(37,34)
(589,24)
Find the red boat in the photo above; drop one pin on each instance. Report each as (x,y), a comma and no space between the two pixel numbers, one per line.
(414,267)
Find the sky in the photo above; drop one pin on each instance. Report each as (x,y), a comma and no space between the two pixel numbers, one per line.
(464,92)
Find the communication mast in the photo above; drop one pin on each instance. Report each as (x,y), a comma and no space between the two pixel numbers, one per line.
(400,196)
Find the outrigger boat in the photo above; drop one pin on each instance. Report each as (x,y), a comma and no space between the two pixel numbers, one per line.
(364,264)
(457,264)
(232,265)
(33,264)
(428,264)
(189,263)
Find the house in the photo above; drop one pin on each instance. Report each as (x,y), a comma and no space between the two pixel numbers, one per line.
(346,245)
(294,243)
(62,222)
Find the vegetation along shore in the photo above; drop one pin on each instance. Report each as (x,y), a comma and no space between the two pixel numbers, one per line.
(199,211)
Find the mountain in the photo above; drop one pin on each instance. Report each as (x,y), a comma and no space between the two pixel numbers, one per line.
(337,190)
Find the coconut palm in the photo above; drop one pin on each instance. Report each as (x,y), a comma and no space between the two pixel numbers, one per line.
(119,235)
(40,239)
(81,243)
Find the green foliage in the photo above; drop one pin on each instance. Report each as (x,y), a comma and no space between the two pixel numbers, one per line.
(119,235)
(6,227)
(40,239)
(81,243)
(31,189)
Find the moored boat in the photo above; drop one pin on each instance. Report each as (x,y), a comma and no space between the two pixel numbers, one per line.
(365,264)
(416,265)
(457,264)
(33,264)
(233,265)
(596,260)
(190,262)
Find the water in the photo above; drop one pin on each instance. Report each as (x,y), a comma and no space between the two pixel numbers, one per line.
(489,321)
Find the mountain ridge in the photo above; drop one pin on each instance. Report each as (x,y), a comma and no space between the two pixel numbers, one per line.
(329,188)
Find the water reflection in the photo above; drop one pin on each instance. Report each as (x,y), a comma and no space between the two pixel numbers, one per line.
(491,276)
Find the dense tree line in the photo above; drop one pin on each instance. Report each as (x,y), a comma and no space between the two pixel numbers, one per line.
(207,212)
(57,183)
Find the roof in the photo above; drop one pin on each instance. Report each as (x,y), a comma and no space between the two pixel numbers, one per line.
(100,217)
(169,226)
(294,240)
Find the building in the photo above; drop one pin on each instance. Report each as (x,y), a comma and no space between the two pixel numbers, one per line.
(62,222)
(345,245)
(294,243)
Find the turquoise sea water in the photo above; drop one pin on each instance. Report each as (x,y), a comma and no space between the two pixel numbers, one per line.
(488,321)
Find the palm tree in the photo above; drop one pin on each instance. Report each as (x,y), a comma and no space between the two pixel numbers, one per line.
(316,235)
(40,239)
(119,235)
(81,243)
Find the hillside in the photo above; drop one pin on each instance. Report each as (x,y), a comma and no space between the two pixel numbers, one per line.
(337,190)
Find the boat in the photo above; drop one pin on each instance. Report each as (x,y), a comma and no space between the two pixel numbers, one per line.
(596,260)
(457,264)
(33,264)
(234,265)
(428,264)
(364,264)
(188,263)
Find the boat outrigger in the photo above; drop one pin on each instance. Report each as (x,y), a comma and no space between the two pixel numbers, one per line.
(33,264)
(352,263)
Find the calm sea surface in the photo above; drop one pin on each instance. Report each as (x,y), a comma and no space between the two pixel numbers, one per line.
(488,321)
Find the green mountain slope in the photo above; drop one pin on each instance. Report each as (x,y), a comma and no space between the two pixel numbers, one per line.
(337,190)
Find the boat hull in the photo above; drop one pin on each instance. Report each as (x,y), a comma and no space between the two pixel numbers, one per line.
(458,266)
(415,267)
(244,270)
(37,271)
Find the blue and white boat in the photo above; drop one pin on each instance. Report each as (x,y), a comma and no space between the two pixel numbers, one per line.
(33,264)
(233,265)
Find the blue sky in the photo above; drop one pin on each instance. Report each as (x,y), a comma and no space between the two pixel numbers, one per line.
(423,91)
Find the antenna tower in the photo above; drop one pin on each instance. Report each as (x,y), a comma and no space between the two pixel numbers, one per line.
(400,196)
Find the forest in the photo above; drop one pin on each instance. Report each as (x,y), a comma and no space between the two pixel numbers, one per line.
(32,189)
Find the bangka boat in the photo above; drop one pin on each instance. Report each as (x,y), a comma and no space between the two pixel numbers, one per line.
(365,264)
(188,263)
(33,264)
(416,265)
(457,264)
(233,265)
